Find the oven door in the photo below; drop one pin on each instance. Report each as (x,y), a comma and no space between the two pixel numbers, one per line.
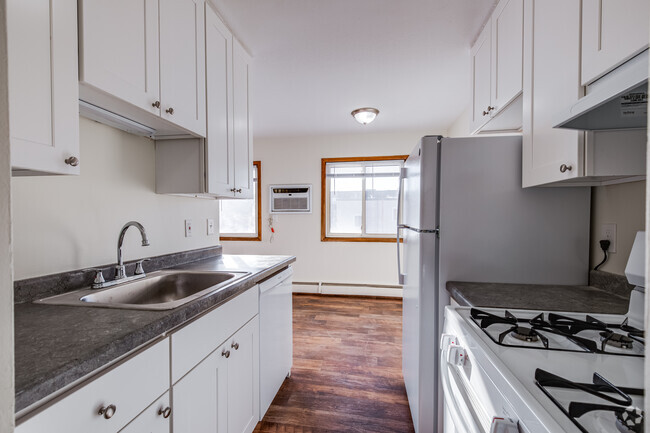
(462,410)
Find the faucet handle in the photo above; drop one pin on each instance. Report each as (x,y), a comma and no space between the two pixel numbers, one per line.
(99,277)
(139,270)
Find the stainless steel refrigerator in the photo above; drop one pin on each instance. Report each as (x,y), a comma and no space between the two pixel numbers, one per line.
(465,217)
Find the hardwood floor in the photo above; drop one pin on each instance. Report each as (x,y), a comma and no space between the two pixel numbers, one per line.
(347,374)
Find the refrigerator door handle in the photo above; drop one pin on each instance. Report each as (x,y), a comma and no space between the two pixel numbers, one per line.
(402,175)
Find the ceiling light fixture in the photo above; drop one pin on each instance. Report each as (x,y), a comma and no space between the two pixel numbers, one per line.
(365,115)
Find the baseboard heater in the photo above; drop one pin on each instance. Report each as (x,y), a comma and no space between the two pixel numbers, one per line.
(347,289)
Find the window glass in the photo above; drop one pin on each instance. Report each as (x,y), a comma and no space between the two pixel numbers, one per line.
(239,218)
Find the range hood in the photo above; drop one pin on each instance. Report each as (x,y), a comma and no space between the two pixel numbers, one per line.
(619,100)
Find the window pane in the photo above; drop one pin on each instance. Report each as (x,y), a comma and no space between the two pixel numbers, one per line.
(382,186)
(345,201)
(239,217)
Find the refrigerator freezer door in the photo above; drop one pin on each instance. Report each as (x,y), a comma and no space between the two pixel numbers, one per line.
(420,186)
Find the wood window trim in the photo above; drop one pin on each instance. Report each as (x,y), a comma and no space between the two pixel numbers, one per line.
(258,166)
(323,198)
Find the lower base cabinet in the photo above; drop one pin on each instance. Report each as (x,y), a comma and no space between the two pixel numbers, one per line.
(154,419)
(221,393)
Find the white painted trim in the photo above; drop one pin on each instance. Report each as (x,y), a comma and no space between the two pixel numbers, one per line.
(347,289)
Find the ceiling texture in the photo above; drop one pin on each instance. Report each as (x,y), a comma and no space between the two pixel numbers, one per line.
(316,61)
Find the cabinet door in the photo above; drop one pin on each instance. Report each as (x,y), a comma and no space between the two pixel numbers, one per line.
(119,49)
(551,83)
(243,130)
(154,419)
(182,63)
(43,86)
(243,379)
(612,32)
(507,53)
(200,398)
(219,140)
(481,70)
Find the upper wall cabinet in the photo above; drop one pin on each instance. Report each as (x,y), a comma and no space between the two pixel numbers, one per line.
(497,70)
(43,87)
(552,42)
(142,60)
(221,164)
(612,33)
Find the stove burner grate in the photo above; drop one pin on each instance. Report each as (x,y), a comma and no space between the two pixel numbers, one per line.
(615,339)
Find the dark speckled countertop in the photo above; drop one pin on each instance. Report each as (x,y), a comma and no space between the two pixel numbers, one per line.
(583,299)
(58,345)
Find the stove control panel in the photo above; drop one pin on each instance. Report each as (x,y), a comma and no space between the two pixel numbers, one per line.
(456,355)
(503,425)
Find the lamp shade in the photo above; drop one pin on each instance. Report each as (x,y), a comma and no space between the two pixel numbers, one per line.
(365,115)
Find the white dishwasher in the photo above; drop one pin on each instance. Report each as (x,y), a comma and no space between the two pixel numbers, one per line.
(276,335)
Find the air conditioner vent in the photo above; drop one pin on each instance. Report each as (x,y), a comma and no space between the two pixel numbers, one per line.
(290,198)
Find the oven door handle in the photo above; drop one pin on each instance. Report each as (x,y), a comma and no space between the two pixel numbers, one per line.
(462,412)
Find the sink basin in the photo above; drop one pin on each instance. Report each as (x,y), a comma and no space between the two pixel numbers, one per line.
(162,290)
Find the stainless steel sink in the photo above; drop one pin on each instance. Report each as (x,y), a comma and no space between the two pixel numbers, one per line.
(162,290)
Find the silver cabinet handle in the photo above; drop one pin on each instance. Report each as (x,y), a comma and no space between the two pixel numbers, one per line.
(165,412)
(156,104)
(225,353)
(73,161)
(235,345)
(564,168)
(108,411)
(170,110)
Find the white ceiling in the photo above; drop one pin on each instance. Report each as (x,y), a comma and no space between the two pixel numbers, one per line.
(316,61)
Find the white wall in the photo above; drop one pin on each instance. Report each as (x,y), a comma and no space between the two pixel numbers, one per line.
(63,223)
(623,205)
(298,160)
(6,284)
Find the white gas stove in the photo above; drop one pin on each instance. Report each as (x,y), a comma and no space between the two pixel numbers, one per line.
(533,371)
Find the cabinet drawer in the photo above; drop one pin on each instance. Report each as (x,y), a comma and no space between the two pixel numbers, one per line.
(198,339)
(130,387)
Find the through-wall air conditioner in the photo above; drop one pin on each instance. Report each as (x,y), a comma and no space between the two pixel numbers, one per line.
(290,198)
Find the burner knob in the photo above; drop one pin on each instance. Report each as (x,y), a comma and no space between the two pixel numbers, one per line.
(446,340)
(456,355)
(503,425)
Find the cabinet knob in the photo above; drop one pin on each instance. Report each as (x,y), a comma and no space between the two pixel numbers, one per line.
(225,353)
(233,190)
(156,104)
(108,411)
(235,345)
(564,168)
(170,110)
(165,412)
(238,190)
(73,161)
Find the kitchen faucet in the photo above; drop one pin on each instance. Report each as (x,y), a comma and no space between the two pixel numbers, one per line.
(120,269)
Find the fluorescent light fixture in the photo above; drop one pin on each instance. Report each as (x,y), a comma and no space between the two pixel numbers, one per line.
(365,115)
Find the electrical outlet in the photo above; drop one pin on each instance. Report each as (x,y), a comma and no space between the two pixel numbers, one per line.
(608,231)
(210,226)
(188,228)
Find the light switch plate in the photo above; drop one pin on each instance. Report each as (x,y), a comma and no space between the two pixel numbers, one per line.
(188,228)
(210,226)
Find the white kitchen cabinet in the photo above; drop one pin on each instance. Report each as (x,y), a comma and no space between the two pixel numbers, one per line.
(551,84)
(221,165)
(612,33)
(200,397)
(154,419)
(497,63)
(242,128)
(243,379)
(111,401)
(142,61)
(43,87)
(219,145)
(182,63)
(221,393)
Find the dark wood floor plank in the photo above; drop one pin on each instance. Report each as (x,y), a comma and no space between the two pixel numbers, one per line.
(347,374)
